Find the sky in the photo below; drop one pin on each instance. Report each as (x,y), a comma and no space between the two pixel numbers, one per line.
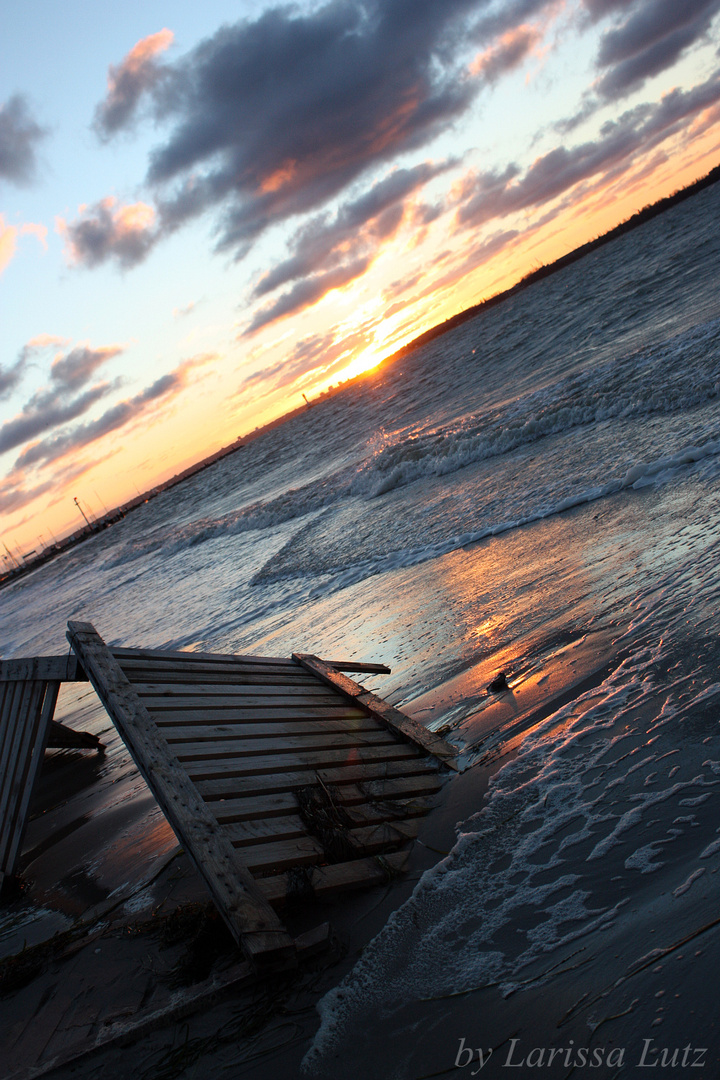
(208,210)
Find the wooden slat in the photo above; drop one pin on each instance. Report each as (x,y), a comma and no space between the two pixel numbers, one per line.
(189,662)
(395,720)
(264,784)
(306,699)
(230,749)
(352,665)
(253,923)
(157,676)
(312,759)
(280,855)
(15,813)
(409,792)
(122,654)
(258,685)
(244,729)
(329,881)
(281,714)
(266,830)
(42,669)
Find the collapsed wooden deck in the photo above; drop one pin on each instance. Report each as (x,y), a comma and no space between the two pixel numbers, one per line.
(281,777)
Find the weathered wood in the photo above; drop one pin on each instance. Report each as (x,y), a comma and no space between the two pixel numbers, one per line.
(396,720)
(281,714)
(160,676)
(307,699)
(366,669)
(194,685)
(265,830)
(26,716)
(311,759)
(124,654)
(42,669)
(235,786)
(252,921)
(243,729)
(230,749)
(280,855)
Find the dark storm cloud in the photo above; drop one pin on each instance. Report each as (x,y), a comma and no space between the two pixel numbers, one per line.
(495,194)
(19,136)
(106,231)
(129,81)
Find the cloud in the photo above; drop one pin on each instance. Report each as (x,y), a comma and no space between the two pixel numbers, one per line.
(308,292)
(128,81)
(274,117)
(182,312)
(496,194)
(10,377)
(19,136)
(650,40)
(69,372)
(117,416)
(329,252)
(9,237)
(510,51)
(321,353)
(110,231)
(55,405)
(45,411)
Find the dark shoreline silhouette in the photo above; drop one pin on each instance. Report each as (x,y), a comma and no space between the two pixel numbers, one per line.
(118,513)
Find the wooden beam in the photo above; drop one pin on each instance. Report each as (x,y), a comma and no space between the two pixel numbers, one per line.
(392,717)
(251,920)
(42,669)
(352,665)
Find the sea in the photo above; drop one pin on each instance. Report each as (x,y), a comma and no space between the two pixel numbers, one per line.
(536,491)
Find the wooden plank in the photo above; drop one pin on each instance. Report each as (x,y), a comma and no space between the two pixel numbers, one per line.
(278,804)
(404,787)
(165,688)
(312,759)
(281,714)
(42,669)
(168,692)
(19,767)
(353,797)
(243,729)
(159,676)
(208,703)
(351,665)
(280,855)
(395,720)
(44,703)
(122,654)
(229,749)
(252,921)
(265,784)
(266,830)
(329,881)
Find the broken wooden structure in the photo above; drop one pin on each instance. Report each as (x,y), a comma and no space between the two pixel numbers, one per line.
(281,777)
(28,695)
